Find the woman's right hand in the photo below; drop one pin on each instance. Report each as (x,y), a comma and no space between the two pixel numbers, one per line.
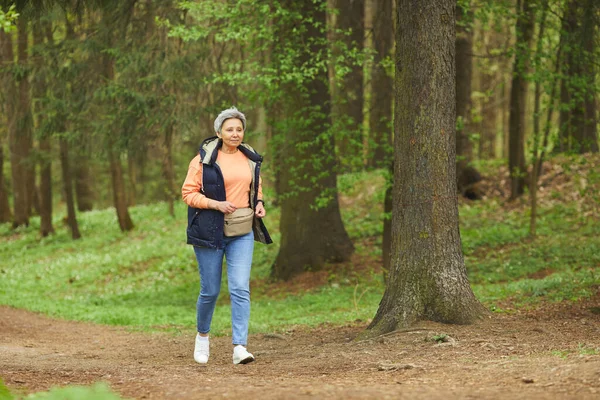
(224,206)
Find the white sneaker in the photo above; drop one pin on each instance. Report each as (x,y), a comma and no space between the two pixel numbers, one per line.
(241,355)
(201,350)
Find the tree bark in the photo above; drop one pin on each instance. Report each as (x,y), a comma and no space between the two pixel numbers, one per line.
(428,278)
(83,183)
(68,188)
(349,91)
(46,227)
(518,99)
(382,86)
(26,118)
(388,206)
(7,117)
(19,129)
(312,231)
(118,189)
(132,177)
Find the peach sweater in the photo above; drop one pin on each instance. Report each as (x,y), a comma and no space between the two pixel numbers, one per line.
(237,177)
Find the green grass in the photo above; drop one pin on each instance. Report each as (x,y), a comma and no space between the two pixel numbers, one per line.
(147,279)
(97,391)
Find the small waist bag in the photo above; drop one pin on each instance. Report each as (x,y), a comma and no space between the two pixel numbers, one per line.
(239,222)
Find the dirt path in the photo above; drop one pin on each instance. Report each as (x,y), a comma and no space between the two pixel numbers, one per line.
(551,353)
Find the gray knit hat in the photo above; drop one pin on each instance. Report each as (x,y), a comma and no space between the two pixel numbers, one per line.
(228,114)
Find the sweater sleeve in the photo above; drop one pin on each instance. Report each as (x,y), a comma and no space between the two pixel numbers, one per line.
(190,192)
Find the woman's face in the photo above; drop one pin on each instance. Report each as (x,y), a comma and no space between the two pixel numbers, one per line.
(232,133)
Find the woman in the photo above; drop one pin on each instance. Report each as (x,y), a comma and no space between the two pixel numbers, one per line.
(223,180)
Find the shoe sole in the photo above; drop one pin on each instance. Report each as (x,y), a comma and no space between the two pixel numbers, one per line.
(246,360)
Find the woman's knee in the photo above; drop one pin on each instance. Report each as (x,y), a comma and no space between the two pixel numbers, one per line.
(209,296)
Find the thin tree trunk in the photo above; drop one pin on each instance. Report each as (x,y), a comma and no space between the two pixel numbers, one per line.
(132,175)
(382,86)
(116,170)
(312,233)
(46,227)
(19,130)
(518,99)
(25,123)
(538,160)
(428,278)
(536,130)
(68,188)
(45,158)
(7,117)
(83,183)
(118,188)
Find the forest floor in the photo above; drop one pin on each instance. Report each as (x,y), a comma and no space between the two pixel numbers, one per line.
(551,352)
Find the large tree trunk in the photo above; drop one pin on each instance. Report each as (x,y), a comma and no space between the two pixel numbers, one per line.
(312,231)
(428,278)
(518,99)
(348,95)
(68,188)
(382,86)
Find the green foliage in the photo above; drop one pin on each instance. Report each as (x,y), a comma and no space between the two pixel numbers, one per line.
(439,338)
(98,391)
(8,18)
(4,392)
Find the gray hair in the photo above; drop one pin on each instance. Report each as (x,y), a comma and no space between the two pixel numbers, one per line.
(228,114)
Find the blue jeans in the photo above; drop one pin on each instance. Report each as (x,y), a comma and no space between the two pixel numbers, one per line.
(238,253)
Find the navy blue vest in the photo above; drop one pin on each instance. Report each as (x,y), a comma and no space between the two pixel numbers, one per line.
(205,227)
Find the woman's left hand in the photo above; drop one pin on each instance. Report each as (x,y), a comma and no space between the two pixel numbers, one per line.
(259,210)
